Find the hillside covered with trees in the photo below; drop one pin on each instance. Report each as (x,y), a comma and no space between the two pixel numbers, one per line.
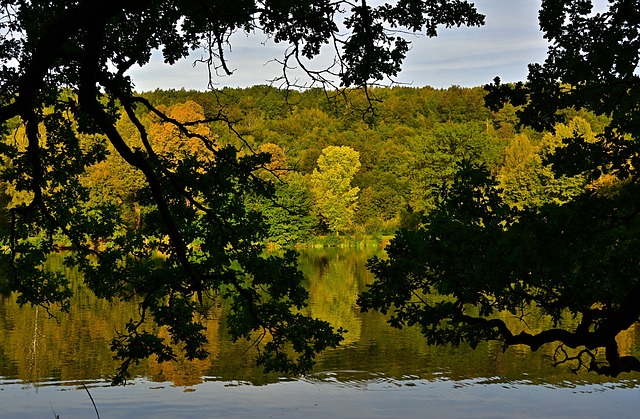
(342,167)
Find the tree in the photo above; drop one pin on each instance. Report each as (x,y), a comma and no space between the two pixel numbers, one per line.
(65,72)
(525,178)
(477,257)
(288,212)
(335,199)
(436,155)
(172,144)
(277,164)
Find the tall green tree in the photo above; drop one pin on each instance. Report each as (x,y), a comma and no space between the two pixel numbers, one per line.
(289,213)
(437,153)
(334,196)
(65,70)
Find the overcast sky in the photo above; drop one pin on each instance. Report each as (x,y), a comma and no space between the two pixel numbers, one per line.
(469,57)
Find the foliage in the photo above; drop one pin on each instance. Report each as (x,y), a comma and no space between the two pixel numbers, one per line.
(436,155)
(527,178)
(331,183)
(478,257)
(64,79)
(289,215)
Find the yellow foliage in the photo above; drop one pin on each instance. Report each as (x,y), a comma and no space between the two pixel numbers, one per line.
(169,141)
(278,163)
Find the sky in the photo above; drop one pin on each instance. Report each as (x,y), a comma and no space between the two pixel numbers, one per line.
(504,46)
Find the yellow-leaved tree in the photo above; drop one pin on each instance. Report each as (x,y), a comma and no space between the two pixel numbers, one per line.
(334,197)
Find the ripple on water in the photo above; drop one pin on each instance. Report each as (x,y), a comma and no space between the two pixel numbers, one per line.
(364,380)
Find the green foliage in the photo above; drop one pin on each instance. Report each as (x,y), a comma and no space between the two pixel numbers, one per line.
(306,123)
(290,216)
(436,155)
(65,82)
(563,236)
(526,179)
(477,257)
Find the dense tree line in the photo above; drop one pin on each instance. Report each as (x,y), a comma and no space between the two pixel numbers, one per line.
(349,166)
(391,156)
(391,159)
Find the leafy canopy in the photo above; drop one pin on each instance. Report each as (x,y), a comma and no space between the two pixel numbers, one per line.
(64,81)
(477,259)
(335,198)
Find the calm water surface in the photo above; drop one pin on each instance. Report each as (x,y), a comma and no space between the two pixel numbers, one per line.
(378,373)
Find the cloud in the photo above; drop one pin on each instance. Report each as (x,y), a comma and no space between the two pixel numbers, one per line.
(463,56)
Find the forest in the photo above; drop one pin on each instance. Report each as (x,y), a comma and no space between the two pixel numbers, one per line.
(343,168)
(168,198)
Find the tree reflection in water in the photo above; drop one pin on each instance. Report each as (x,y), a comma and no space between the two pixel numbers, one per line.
(37,348)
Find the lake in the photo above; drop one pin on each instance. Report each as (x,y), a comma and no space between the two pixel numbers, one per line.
(52,366)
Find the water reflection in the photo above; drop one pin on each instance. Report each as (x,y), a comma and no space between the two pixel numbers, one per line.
(334,282)
(38,349)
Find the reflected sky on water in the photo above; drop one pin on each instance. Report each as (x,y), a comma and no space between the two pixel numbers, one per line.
(322,397)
